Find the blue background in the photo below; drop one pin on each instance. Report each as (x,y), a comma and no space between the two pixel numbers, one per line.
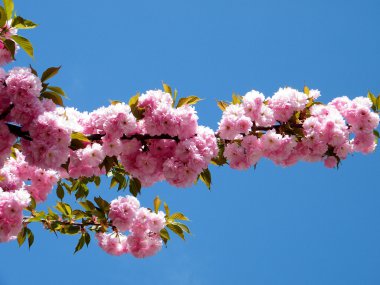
(299,225)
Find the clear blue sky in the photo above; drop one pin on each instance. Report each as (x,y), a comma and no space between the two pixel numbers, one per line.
(299,225)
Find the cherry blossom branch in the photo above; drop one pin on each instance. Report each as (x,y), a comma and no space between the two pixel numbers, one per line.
(28,220)
(140,137)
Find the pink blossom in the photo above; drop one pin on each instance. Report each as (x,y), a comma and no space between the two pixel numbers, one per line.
(285,101)
(253,102)
(153,99)
(331,162)
(112,243)
(50,141)
(22,84)
(123,211)
(234,122)
(42,182)
(144,246)
(11,206)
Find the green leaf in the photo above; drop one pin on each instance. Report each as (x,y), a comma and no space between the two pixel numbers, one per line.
(167,88)
(33,203)
(118,178)
(372,97)
(79,214)
(21,237)
(3,17)
(97,181)
(177,230)
(134,100)
(222,105)
(134,186)
(108,163)
(58,90)
(219,159)
(103,204)
(205,177)
(136,111)
(37,217)
(178,216)
(63,208)
(24,43)
(56,98)
(80,244)
(79,136)
(157,204)
(376,133)
(113,182)
(378,103)
(49,73)
(306,90)
(60,192)
(9,6)
(182,226)
(87,238)
(30,238)
(52,215)
(72,229)
(21,23)
(175,95)
(11,47)
(114,102)
(87,205)
(82,192)
(164,235)
(236,99)
(33,70)
(191,100)
(167,211)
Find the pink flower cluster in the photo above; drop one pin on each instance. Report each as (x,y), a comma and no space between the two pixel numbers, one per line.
(51,138)
(161,118)
(48,130)
(11,206)
(85,162)
(251,132)
(21,88)
(361,120)
(39,182)
(285,102)
(178,162)
(144,227)
(112,122)
(179,159)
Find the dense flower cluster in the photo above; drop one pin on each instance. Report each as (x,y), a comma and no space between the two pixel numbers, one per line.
(11,207)
(143,142)
(290,127)
(20,103)
(144,227)
(19,174)
(139,145)
(151,140)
